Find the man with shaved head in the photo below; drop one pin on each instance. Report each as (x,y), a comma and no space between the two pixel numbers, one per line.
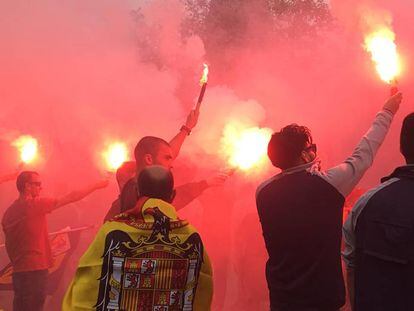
(156,182)
(146,258)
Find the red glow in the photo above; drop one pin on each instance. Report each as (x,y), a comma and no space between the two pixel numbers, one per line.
(115,155)
(27,147)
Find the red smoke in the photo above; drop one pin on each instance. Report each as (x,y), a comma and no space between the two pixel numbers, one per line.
(75,76)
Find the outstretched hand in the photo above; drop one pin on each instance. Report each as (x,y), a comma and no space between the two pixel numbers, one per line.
(393,103)
(192,119)
(102,184)
(217,180)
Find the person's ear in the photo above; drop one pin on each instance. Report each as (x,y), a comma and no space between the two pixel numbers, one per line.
(148,160)
(308,157)
(313,154)
(304,156)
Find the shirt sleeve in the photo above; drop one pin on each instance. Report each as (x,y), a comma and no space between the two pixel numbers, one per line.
(348,231)
(345,176)
(46,205)
(186,193)
(348,235)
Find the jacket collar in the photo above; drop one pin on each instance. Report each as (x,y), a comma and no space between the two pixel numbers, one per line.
(406,171)
(313,166)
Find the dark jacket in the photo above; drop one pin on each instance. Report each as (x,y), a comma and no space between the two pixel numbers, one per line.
(384,259)
(301,217)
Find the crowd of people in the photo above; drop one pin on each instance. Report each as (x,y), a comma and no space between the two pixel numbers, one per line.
(145,257)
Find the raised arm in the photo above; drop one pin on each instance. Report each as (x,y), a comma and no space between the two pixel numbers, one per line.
(8,177)
(345,176)
(82,193)
(186,193)
(185,130)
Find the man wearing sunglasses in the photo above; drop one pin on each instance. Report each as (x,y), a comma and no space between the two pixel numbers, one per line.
(27,243)
(300,211)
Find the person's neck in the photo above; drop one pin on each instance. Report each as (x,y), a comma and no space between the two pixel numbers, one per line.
(139,169)
(301,164)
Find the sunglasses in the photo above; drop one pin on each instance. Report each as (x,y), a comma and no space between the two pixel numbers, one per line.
(35,183)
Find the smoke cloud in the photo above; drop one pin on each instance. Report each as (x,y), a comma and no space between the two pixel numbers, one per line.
(79,74)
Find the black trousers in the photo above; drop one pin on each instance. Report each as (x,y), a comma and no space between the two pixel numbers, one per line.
(313,309)
(29,290)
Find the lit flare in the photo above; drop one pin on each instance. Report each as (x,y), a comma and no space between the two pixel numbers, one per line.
(204,77)
(245,148)
(27,147)
(203,83)
(384,53)
(115,155)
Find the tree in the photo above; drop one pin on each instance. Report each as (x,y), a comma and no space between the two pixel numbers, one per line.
(231,24)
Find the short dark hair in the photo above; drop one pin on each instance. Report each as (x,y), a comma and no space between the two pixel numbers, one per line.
(407,138)
(148,145)
(23,178)
(286,146)
(156,182)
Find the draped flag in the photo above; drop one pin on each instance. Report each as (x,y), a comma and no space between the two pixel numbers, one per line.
(144,259)
(62,243)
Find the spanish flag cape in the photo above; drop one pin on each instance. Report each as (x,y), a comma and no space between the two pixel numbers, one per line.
(144,259)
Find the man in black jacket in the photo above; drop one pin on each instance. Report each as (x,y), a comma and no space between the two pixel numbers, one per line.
(300,211)
(379,238)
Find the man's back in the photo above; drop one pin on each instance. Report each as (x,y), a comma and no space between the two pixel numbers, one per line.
(384,269)
(144,259)
(301,217)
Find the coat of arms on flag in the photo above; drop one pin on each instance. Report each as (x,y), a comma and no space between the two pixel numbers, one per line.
(151,274)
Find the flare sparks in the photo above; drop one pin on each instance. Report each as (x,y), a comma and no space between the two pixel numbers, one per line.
(381,45)
(245,148)
(115,155)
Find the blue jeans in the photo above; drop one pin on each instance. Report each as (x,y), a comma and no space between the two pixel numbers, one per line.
(29,290)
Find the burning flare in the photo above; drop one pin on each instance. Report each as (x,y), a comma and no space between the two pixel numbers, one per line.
(384,53)
(204,77)
(28,148)
(245,148)
(115,155)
